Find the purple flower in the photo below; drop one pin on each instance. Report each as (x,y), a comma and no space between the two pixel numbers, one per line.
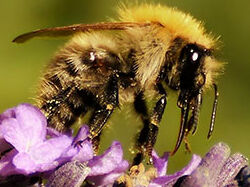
(216,169)
(106,168)
(160,163)
(80,149)
(71,174)
(27,150)
(23,129)
(3,144)
(101,170)
(156,176)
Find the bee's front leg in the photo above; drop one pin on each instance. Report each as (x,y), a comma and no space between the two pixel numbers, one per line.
(148,134)
(104,108)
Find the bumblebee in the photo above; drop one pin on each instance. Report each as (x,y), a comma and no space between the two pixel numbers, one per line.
(104,65)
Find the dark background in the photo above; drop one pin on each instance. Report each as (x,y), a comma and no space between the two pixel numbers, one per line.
(21,66)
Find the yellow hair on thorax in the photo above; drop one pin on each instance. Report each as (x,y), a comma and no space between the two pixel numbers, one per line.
(177,23)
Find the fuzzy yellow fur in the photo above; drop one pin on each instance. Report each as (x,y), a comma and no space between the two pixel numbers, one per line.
(176,22)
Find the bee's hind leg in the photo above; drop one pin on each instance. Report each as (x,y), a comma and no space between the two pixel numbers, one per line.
(148,134)
(104,108)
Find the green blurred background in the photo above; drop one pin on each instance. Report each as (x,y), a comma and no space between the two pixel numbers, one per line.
(21,66)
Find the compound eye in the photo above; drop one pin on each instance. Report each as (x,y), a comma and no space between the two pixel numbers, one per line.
(195,56)
(191,54)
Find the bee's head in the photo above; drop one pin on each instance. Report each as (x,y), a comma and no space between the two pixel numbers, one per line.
(187,69)
(192,70)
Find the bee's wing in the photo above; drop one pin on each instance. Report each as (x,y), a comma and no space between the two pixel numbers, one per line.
(71,29)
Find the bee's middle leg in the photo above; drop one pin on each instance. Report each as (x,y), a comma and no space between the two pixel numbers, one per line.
(148,134)
(103,110)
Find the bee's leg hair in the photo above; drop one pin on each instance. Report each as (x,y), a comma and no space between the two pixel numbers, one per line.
(103,110)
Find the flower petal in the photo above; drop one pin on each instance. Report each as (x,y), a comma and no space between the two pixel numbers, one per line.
(209,168)
(230,169)
(43,156)
(82,145)
(84,151)
(13,133)
(81,148)
(10,113)
(50,150)
(24,163)
(82,134)
(6,166)
(160,163)
(107,162)
(71,174)
(26,130)
(104,180)
(187,170)
(32,120)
